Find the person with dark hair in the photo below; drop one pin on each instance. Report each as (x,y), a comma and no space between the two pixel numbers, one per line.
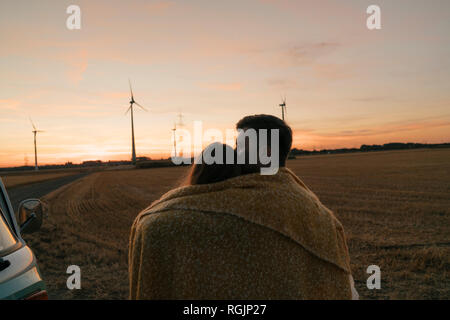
(203,172)
(268,122)
(240,234)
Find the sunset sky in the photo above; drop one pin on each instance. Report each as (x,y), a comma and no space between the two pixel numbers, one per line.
(217,61)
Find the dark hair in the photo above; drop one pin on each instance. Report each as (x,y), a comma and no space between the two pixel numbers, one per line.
(203,173)
(264,121)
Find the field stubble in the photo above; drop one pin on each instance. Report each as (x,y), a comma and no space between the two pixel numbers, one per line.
(394,207)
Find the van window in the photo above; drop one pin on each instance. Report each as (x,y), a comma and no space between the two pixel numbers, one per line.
(7,239)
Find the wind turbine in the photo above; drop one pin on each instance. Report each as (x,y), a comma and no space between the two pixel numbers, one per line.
(283,107)
(132,102)
(35,131)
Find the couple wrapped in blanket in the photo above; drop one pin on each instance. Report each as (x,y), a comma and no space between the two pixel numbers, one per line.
(230,232)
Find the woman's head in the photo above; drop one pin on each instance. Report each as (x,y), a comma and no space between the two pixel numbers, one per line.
(212,165)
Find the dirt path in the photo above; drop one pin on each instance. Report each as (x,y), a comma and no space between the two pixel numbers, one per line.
(39,189)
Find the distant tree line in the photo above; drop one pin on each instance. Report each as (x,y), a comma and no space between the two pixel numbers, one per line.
(368,148)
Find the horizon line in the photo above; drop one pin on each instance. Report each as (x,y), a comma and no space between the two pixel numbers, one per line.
(159,158)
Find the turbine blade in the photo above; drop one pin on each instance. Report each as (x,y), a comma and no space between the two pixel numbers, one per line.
(140,106)
(34,127)
(128,109)
(131,90)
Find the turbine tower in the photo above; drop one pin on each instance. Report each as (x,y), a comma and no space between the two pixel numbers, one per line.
(35,131)
(132,102)
(283,107)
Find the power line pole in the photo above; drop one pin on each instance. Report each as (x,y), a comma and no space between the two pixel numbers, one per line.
(175,139)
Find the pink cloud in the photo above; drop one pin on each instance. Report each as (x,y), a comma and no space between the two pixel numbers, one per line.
(159,7)
(331,71)
(234,86)
(77,63)
(9,104)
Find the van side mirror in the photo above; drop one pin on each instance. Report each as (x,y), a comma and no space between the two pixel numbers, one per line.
(30,215)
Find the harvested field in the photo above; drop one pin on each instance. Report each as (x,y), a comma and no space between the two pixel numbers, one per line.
(395,208)
(88,225)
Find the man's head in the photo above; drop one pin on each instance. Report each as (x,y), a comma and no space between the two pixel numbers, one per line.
(268,122)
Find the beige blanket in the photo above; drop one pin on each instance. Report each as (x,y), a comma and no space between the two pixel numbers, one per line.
(249,237)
